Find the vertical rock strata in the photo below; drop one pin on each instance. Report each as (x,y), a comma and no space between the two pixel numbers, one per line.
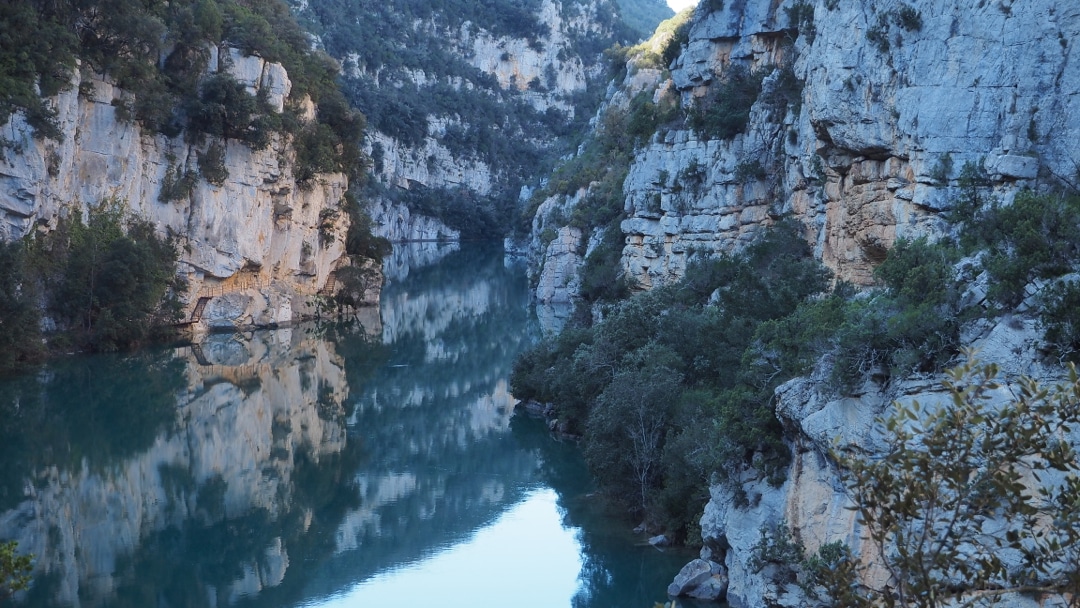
(873,147)
(259,238)
(880,135)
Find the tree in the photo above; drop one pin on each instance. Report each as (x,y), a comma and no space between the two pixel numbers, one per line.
(628,423)
(973,499)
(20,337)
(114,288)
(14,569)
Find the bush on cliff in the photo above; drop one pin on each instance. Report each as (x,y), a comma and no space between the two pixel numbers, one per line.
(20,335)
(114,279)
(972,502)
(724,112)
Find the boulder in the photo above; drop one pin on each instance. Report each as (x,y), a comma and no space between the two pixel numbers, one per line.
(700,579)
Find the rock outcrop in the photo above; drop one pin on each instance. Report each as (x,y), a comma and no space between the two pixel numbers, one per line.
(260,238)
(812,501)
(884,116)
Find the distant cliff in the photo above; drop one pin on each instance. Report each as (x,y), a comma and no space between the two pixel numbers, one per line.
(468,101)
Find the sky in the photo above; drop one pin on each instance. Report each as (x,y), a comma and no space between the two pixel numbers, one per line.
(678,5)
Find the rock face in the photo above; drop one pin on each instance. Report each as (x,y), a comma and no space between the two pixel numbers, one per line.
(880,135)
(812,501)
(482,92)
(886,118)
(259,237)
(883,114)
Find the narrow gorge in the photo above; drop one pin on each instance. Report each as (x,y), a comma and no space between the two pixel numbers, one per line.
(758,235)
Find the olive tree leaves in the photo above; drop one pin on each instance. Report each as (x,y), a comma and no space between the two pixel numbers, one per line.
(973,500)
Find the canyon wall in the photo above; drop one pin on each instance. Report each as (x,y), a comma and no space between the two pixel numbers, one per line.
(463,108)
(260,245)
(885,116)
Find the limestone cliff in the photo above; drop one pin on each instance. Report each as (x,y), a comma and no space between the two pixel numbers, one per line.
(464,105)
(259,245)
(884,114)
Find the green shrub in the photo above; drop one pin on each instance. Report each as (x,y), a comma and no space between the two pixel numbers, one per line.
(15,569)
(602,277)
(878,33)
(1036,237)
(1060,319)
(224,109)
(776,545)
(669,340)
(176,185)
(724,112)
(646,117)
(908,18)
(20,335)
(800,16)
(912,325)
(942,171)
(359,240)
(114,281)
(212,164)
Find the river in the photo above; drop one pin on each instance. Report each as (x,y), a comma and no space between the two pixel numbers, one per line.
(372,463)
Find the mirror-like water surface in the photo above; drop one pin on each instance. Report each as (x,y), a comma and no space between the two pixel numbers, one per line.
(369,464)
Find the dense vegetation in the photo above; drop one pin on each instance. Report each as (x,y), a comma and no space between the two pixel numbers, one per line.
(663,388)
(674,388)
(159,52)
(642,15)
(109,281)
(14,569)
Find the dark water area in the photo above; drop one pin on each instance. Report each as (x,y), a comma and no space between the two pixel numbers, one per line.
(371,463)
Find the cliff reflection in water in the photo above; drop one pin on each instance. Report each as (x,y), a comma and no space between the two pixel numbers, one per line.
(133,478)
(288,467)
(271,467)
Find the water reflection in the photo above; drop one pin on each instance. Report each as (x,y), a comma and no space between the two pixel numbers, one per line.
(311,466)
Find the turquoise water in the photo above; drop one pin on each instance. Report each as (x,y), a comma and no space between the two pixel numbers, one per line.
(376,463)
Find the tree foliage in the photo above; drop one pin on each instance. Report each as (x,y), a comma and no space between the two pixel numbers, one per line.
(663,389)
(20,338)
(111,280)
(14,569)
(973,499)
(725,111)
